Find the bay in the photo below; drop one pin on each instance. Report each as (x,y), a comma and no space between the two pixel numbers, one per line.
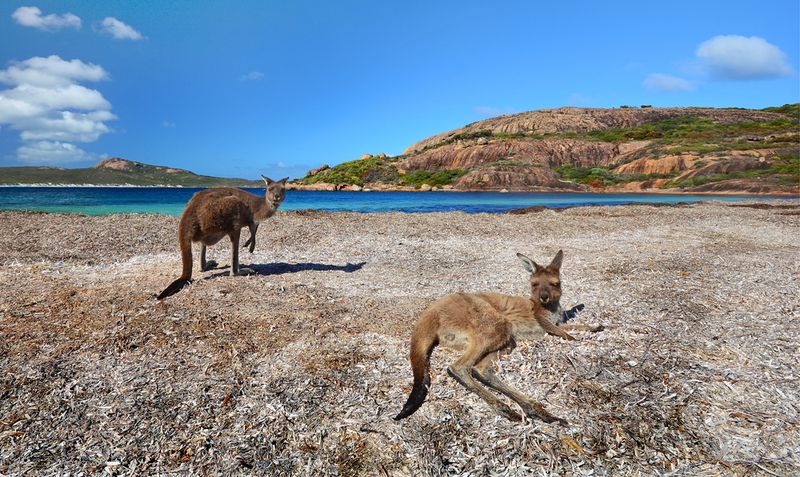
(171,201)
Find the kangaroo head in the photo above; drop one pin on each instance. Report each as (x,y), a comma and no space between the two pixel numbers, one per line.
(545,281)
(275,190)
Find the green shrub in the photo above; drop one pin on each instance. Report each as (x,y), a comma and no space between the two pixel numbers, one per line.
(601,175)
(517,135)
(432,178)
(786,163)
(699,134)
(465,136)
(357,172)
(789,109)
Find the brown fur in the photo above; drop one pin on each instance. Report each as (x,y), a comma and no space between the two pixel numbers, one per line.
(482,325)
(212,214)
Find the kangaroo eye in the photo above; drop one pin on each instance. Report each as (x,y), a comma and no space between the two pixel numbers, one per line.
(557,284)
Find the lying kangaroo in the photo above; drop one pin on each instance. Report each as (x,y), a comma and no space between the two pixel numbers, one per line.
(215,213)
(483,324)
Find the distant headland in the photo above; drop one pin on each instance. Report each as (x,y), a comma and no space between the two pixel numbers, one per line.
(116,171)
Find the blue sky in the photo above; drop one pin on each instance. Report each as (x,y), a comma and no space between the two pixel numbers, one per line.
(240,88)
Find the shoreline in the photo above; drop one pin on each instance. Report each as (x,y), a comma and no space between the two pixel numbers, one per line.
(653,192)
(754,202)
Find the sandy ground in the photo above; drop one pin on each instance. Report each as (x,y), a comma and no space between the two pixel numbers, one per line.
(298,370)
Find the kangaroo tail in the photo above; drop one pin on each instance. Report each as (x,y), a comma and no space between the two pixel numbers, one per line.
(422,345)
(186,275)
(174,288)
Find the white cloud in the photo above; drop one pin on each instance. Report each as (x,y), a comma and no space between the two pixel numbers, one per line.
(252,76)
(50,152)
(735,57)
(32,17)
(51,111)
(168,124)
(667,83)
(118,30)
(51,71)
(67,126)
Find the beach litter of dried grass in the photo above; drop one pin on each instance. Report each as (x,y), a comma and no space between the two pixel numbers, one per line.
(297,370)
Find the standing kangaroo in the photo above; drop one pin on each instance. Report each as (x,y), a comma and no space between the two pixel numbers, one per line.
(482,325)
(215,213)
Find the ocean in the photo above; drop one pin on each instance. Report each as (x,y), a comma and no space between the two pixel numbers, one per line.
(165,200)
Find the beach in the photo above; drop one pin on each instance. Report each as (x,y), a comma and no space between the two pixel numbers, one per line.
(298,369)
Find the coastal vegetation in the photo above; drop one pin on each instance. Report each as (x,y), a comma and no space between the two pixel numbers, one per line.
(381,169)
(602,176)
(358,172)
(432,178)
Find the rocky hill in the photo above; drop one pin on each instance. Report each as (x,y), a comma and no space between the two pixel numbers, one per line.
(582,149)
(116,171)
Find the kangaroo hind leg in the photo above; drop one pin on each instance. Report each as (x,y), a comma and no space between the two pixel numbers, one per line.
(461,371)
(235,268)
(484,372)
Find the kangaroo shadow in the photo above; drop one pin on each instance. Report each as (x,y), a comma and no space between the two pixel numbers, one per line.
(279,268)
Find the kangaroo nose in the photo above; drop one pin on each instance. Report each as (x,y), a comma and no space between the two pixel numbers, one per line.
(544,298)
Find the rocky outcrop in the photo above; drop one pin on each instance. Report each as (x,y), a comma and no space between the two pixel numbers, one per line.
(515,179)
(588,119)
(728,165)
(317,186)
(120,164)
(317,170)
(116,163)
(537,150)
(659,165)
(547,152)
(744,186)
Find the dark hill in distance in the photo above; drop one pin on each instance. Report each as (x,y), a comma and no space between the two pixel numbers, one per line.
(117,171)
(626,149)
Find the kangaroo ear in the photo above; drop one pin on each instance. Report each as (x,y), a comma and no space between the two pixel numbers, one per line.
(284,180)
(529,264)
(267,179)
(556,263)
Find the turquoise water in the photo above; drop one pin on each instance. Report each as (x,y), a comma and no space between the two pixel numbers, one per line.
(164,200)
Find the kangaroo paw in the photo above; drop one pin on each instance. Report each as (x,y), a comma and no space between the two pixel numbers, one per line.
(210,265)
(534,410)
